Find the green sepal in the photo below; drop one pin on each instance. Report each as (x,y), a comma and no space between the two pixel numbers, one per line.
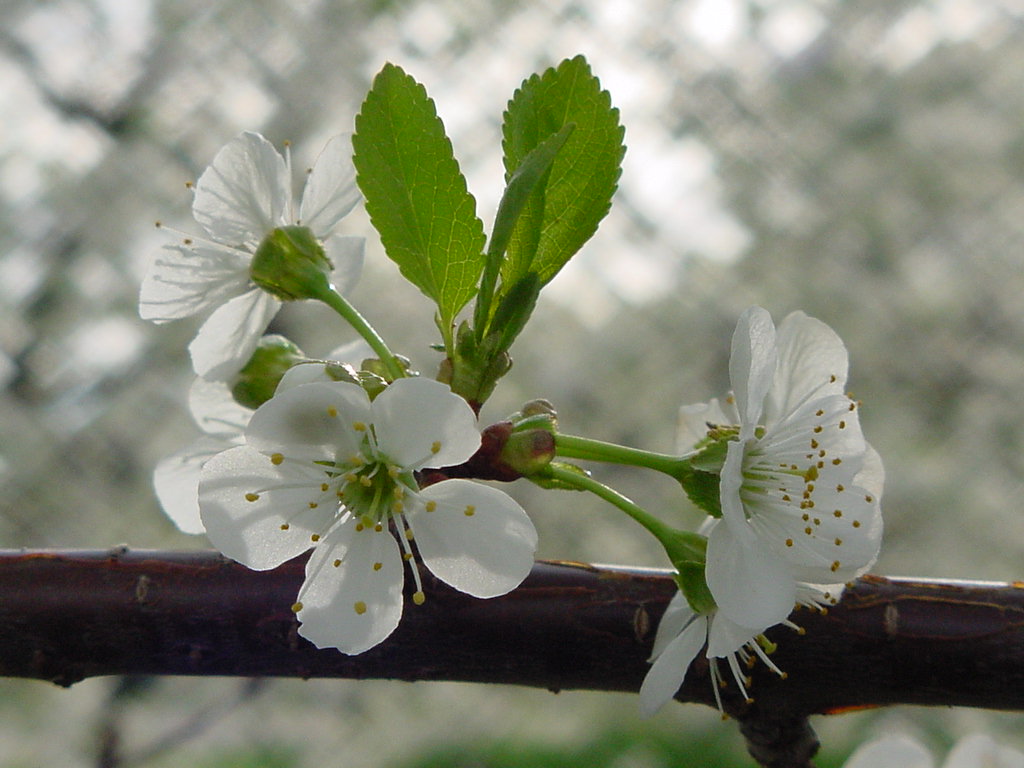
(703,489)
(258,380)
(291,264)
(694,586)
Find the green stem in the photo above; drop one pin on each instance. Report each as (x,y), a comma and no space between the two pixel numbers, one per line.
(586,449)
(671,539)
(339,304)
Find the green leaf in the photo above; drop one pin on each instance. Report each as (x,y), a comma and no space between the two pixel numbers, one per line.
(522,183)
(561,215)
(415,193)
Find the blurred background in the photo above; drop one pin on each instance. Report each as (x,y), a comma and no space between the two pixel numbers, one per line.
(863,161)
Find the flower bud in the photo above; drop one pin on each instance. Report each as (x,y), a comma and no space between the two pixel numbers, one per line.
(258,380)
(290,264)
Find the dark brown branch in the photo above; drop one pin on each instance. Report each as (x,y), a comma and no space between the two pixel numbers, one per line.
(66,615)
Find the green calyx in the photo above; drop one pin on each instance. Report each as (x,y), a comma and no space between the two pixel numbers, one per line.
(258,380)
(291,264)
(530,446)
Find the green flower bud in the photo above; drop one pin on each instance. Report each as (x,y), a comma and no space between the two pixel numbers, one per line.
(291,264)
(258,380)
(528,451)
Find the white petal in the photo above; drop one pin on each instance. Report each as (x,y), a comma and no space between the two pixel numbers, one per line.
(669,669)
(215,410)
(812,363)
(354,605)
(243,195)
(484,554)
(677,615)
(981,751)
(726,636)
(176,481)
(182,282)
(872,474)
(729,485)
(752,365)
(229,336)
(422,423)
(891,752)
(331,190)
(250,531)
(345,253)
(750,585)
(693,420)
(313,421)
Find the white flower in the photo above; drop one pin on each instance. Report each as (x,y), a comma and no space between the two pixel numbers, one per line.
(681,634)
(324,467)
(800,487)
(176,477)
(223,422)
(975,751)
(239,200)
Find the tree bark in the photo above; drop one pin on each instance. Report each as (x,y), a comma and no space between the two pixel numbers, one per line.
(68,615)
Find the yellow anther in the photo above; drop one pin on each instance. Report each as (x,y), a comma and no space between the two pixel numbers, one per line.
(435,446)
(407,556)
(313,505)
(838,513)
(835,566)
(359,527)
(418,597)
(817,429)
(336,563)
(276,458)
(360,607)
(378,527)
(840,488)
(836,462)
(808,530)
(430,506)
(409,534)
(869,499)
(811,474)
(296,607)
(789,542)
(469,511)
(358,426)
(324,487)
(856,523)
(252,497)
(842,424)
(839,541)
(315,537)
(285,526)
(378,566)
(332,411)
(365,481)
